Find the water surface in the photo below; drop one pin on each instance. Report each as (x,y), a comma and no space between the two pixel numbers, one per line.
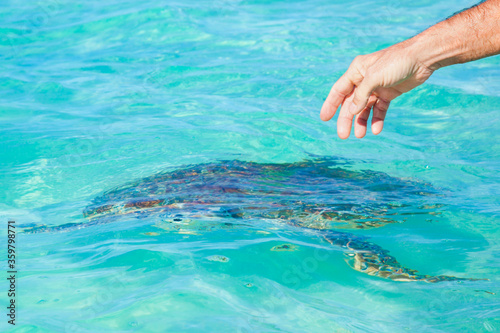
(99,94)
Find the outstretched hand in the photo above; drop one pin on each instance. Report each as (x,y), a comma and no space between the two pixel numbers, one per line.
(371,83)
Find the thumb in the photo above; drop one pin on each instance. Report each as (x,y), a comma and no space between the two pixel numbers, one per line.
(361,95)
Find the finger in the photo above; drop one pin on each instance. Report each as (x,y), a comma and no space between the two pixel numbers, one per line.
(344,122)
(387,94)
(362,94)
(379,111)
(361,121)
(339,91)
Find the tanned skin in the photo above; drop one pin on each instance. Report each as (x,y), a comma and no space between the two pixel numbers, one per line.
(374,80)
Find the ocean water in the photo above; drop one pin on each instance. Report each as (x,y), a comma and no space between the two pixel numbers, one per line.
(98,94)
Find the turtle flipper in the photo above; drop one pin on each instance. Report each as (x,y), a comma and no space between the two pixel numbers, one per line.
(373,260)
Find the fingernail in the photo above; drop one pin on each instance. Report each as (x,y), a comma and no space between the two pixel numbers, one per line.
(353,108)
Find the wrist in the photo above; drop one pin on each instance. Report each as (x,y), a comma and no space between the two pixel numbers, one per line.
(435,47)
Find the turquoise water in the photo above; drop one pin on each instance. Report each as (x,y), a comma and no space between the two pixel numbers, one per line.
(101,93)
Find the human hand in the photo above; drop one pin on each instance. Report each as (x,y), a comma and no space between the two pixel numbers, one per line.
(372,82)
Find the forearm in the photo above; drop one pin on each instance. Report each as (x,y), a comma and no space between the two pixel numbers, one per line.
(470,35)
(372,81)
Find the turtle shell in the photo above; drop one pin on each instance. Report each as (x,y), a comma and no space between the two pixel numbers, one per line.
(316,194)
(319,194)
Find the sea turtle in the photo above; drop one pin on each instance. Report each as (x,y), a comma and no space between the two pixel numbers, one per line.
(314,194)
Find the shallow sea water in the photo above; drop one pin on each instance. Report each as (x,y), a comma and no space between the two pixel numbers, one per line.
(101,93)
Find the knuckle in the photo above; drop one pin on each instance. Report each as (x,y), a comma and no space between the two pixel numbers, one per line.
(356,63)
(360,57)
(358,60)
